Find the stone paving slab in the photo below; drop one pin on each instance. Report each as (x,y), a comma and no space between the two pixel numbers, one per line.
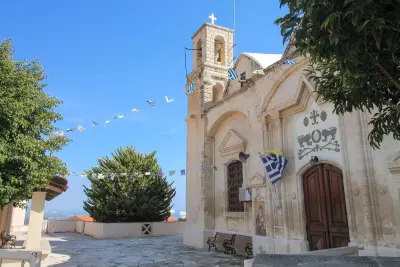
(76,250)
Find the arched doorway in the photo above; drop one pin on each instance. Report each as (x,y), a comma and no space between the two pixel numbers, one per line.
(325,208)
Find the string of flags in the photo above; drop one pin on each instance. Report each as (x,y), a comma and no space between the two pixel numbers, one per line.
(232,75)
(132,175)
(81,128)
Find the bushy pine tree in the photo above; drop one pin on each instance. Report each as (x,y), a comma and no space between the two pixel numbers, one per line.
(123,195)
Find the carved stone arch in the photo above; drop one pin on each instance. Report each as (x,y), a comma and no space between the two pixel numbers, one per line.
(213,126)
(284,75)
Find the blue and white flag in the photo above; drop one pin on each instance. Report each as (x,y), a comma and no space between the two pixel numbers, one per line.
(274,164)
(191,88)
(232,75)
(289,62)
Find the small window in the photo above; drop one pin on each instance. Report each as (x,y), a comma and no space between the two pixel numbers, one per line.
(235,181)
(242,79)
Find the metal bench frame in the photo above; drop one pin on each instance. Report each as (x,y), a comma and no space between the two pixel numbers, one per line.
(211,242)
(7,239)
(231,248)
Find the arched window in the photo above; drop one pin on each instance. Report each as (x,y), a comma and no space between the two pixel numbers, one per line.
(219,50)
(218,92)
(199,57)
(235,181)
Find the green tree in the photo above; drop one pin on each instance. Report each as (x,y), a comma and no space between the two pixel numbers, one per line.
(354,51)
(121,192)
(26,123)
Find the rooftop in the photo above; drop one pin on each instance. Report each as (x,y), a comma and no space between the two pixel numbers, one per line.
(264,60)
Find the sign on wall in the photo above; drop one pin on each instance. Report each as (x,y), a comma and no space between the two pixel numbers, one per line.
(317,134)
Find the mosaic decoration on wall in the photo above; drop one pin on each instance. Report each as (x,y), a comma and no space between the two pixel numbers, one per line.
(261,226)
(317,139)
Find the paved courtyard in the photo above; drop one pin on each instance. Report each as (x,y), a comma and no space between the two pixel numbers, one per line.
(70,249)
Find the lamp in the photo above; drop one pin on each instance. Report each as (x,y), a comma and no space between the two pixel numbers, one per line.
(243,157)
(313,160)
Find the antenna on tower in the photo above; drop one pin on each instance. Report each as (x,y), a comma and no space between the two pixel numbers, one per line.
(234,28)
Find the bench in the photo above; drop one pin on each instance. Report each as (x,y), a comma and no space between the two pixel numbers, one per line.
(219,241)
(7,239)
(241,245)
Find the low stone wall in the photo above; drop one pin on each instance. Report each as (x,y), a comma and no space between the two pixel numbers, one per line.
(125,230)
(80,227)
(61,226)
(118,230)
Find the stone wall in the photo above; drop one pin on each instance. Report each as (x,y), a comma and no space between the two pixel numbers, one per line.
(118,230)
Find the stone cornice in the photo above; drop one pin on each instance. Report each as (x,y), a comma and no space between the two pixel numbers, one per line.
(212,26)
(227,150)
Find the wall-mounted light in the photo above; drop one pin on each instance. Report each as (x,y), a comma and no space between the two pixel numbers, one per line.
(243,157)
(314,160)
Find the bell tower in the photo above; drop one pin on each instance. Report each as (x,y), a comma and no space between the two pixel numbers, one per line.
(212,57)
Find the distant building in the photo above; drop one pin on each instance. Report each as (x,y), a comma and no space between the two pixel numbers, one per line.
(171,219)
(84,218)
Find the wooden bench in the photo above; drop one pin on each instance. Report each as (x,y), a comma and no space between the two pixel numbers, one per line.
(241,245)
(219,241)
(7,241)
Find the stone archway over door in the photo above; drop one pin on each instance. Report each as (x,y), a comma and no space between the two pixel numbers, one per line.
(325,208)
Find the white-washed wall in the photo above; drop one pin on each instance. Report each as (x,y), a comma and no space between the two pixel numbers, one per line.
(121,230)
(60,226)
(118,230)
(168,228)
(94,229)
(80,226)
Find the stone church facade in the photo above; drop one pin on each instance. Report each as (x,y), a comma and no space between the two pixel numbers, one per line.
(349,197)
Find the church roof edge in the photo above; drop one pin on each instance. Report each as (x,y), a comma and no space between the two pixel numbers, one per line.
(210,25)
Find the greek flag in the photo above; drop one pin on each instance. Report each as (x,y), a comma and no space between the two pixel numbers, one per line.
(151,103)
(289,62)
(274,164)
(232,74)
(191,88)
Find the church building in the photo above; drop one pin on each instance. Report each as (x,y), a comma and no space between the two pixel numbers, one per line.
(336,190)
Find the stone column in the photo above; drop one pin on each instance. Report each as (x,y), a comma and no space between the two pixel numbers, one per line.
(282,183)
(358,172)
(35,220)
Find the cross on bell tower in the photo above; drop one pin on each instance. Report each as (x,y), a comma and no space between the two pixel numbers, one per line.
(213,19)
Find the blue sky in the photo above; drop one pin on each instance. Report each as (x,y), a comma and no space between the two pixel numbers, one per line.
(102,58)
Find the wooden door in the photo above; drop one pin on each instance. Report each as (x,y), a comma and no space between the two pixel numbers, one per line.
(325,207)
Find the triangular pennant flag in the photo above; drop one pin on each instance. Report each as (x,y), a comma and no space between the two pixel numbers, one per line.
(169,100)
(60,133)
(151,103)
(69,130)
(94,124)
(100,176)
(107,122)
(183,172)
(171,173)
(134,110)
(80,128)
(289,62)
(119,117)
(147,173)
